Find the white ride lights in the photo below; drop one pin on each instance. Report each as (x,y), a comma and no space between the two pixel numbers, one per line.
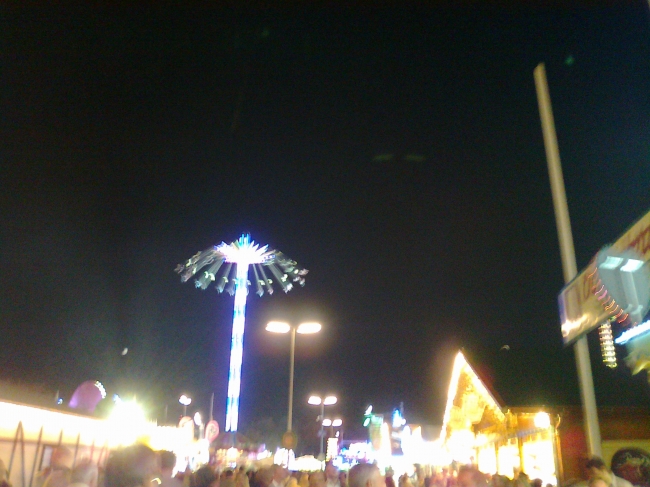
(621,283)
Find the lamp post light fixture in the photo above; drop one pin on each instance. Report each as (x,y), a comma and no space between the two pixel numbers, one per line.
(185,401)
(303,329)
(322,402)
(332,423)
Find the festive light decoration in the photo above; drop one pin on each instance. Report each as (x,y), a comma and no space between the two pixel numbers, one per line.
(607,346)
(628,335)
(461,366)
(232,277)
(605,297)
(619,280)
(101,388)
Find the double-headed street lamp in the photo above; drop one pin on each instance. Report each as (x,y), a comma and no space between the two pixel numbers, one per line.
(332,423)
(303,329)
(322,402)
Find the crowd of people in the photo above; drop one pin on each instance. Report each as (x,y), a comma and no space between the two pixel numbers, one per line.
(140,466)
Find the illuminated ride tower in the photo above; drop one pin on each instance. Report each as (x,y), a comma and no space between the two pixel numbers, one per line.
(227,265)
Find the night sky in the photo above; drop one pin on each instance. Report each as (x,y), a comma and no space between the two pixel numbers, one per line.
(396,152)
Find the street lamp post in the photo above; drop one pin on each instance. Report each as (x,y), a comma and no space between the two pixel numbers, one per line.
(185,401)
(567,253)
(303,329)
(322,402)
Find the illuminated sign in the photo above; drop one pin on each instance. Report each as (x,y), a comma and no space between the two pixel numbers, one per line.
(580,309)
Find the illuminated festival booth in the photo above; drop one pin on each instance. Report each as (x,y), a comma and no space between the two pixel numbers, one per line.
(545,443)
(479,429)
(29,434)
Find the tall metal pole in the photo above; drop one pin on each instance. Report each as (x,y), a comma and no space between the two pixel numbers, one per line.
(211,406)
(322,431)
(567,252)
(292,354)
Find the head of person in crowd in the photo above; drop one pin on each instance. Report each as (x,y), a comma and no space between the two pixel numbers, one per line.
(85,473)
(317,479)
(597,482)
(331,474)
(521,479)
(404,481)
(303,481)
(205,477)
(167,463)
(227,478)
(596,468)
(469,476)
(4,475)
(365,475)
(280,475)
(133,466)
(501,481)
(61,458)
(58,473)
(3,471)
(262,478)
(241,478)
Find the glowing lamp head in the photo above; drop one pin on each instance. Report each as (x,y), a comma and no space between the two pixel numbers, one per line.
(314,400)
(317,400)
(329,400)
(308,328)
(197,419)
(278,327)
(327,422)
(184,400)
(337,422)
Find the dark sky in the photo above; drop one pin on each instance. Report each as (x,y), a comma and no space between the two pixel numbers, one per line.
(133,138)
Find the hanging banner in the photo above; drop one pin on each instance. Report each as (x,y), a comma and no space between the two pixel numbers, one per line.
(580,309)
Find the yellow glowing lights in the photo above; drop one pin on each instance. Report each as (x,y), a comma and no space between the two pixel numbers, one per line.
(332,448)
(570,325)
(333,423)
(316,400)
(462,366)
(303,328)
(308,328)
(126,424)
(542,420)
(278,327)
(607,345)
